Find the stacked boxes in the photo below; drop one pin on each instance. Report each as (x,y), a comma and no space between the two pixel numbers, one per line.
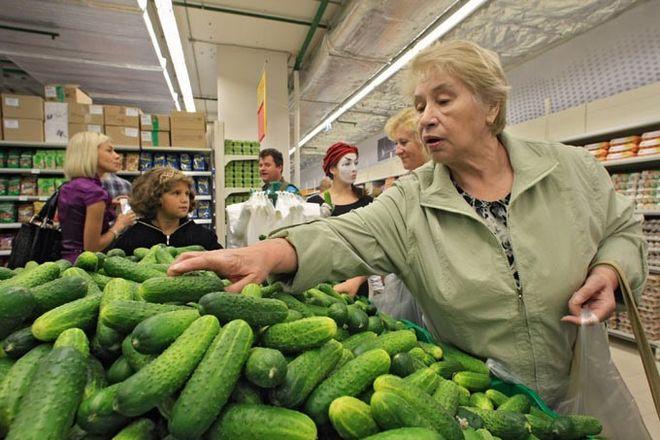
(248,148)
(188,129)
(649,312)
(242,174)
(647,144)
(67,112)
(66,93)
(22,118)
(122,124)
(644,187)
(85,117)
(155,130)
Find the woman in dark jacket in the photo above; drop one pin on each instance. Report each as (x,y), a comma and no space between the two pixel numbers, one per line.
(163,198)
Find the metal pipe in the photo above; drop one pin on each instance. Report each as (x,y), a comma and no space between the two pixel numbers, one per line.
(310,34)
(296,126)
(15,28)
(187,4)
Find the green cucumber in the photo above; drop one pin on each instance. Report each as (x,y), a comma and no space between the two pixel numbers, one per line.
(81,313)
(123,316)
(358,339)
(100,279)
(96,415)
(292,315)
(245,392)
(422,356)
(230,306)
(423,403)
(212,382)
(183,289)
(262,422)
(191,248)
(120,370)
(155,334)
(293,304)
(356,319)
(540,427)
(575,427)
(141,429)
(472,381)
(463,395)
(392,342)
(446,369)
(269,290)
(404,365)
(432,349)
(169,371)
(301,335)
(116,289)
(390,323)
(322,298)
(346,355)
(16,304)
(352,418)
(505,424)
(375,325)
(6,273)
(116,252)
(342,334)
(447,395)
(139,252)
(469,363)
(19,342)
(350,380)
(74,338)
(329,290)
(92,287)
(252,289)
(136,360)
(535,411)
(265,367)
(339,312)
(63,265)
(87,261)
(481,401)
(497,397)
(163,256)
(57,292)
(5,365)
(119,267)
(424,379)
(17,382)
(48,409)
(407,434)
(518,403)
(391,411)
(304,373)
(34,277)
(150,257)
(95,379)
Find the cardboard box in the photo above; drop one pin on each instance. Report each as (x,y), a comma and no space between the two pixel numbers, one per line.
(155,122)
(85,114)
(120,116)
(189,138)
(68,93)
(126,136)
(188,121)
(22,107)
(56,126)
(29,130)
(78,128)
(155,139)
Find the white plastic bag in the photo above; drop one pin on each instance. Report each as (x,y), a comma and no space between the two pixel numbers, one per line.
(396,300)
(596,388)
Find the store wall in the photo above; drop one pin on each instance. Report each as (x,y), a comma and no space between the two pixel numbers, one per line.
(239,70)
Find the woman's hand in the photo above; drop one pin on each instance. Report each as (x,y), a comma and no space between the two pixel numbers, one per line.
(350,286)
(597,293)
(124,221)
(241,266)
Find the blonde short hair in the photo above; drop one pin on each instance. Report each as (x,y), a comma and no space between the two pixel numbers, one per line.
(82,154)
(478,68)
(150,187)
(408,119)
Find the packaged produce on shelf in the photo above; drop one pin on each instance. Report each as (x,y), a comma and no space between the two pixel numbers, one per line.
(199,162)
(28,186)
(13,159)
(132,162)
(644,187)
(24,212)
(25,160)
(6,241)
(3,158)
(160,160)
(4,183)
(46,186)
(204,209)
(172,160)
(238,147)
(7,212)
(185,162)
(203,185)
(14,186)
(146,161)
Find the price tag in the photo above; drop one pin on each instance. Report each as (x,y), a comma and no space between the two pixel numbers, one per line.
(51,92)
(131,132)
(35,171)
(11,123)
(11,102)
(145,119)
(22,198)
(95,109)
(131,111)
(94,128)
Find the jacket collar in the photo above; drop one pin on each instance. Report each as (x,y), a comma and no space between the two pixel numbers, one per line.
(531,162)
(183,222)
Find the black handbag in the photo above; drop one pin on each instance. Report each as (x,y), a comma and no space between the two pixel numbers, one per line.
(40,239)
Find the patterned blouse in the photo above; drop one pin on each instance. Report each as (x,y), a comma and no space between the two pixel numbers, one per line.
(495,215)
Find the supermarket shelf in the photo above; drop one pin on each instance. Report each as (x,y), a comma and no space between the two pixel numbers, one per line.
(197,173)
(127,148)
(29,171)
(648,212)
(233,157)
(654,270)
(23,198)
(178,149)
(10,225)
(229,191)
(203,197)
(5,252)
(24,144)
(655,345)
(633,162)
(203,221)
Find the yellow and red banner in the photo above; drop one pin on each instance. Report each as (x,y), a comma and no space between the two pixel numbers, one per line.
(262,124)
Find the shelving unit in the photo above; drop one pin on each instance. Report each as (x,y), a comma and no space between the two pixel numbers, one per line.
(5,252)
(29,171)
(23,198)
(10,225)
(655,345)
(22,144)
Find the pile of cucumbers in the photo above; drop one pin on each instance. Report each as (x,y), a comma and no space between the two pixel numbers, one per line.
(112,348)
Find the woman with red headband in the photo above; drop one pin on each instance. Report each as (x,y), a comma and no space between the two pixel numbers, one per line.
(340,164)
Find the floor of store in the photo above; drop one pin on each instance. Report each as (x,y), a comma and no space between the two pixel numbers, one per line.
(627,360)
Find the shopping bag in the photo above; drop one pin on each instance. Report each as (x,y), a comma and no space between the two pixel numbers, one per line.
(596,388)
(395,299)
(40,239)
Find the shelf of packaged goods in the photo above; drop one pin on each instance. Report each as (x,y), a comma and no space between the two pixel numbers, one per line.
(203,197)
(229,191)
(10,225)
(29,171)
(23,198)
(655,345)
(235,157)
(29,144)
(633,162)
(179,149)
(197,173)
(654,270)
(203,221)
(611,133)
(127,148)
(648,212)
(5,252)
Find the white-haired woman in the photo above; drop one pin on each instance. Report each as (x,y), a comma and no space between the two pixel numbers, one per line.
(501,240)
(84,207)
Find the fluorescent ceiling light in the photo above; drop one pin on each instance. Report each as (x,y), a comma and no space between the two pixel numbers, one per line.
(167,20)
(432,36)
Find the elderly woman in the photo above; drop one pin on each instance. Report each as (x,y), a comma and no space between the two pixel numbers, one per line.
(501,240)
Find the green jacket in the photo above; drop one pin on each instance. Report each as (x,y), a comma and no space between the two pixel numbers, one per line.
(564,218)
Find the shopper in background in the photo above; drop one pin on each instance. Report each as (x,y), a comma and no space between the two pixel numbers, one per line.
(392,296)
(271,165)
(501,240)
(84,208)
(118,189)
(162,198)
